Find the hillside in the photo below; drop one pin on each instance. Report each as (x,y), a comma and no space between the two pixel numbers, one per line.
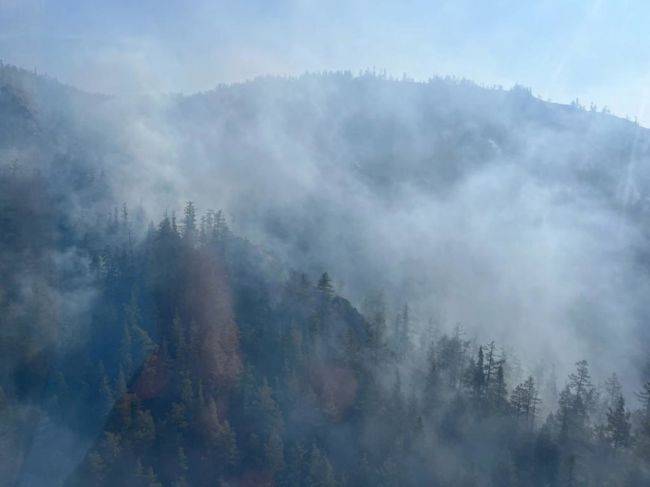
(401,277)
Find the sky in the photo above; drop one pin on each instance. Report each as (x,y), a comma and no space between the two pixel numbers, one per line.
(594,50)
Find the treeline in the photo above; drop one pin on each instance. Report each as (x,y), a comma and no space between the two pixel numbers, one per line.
(206,363)
(258,379)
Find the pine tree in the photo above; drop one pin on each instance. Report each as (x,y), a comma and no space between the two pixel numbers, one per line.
(643,440)
(180,346)
(644,398)
(220,228)
(320,472)
(404,344)
(612,389)
(181,466)
(143,430)
(268,415)
(491,364)
(274,453)
(296,467)
(189,222)
(499,392)
(227,443)
(618,424)
(106,398)
(325,284)
(432,382)
(374,310)
(96,468)
(102,458)
(151,480)
(478,378)
(174,226)
(525,402)
(126,357)
(120,384)
(186,390)
(580,383)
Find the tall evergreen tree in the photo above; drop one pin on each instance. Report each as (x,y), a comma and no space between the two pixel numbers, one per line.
(325,284)
(618,424)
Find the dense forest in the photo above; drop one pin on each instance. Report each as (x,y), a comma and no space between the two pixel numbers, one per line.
(207,362)
(351,317)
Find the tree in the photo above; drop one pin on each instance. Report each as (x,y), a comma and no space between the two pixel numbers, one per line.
(374,310)
(144,429)
(644,398)
(580,383)
(320,473)
(220,228)
(274,451)
(491,364)
(613,389)
(643,440)
(150,479)
(452,355)
(267,414)
(525,401)
(498,393)
(432,382)
(189,222)
(102,458)
(182,463)
(227,445)
(296,467)
(120,384)
(618,424)
(96,467)
(403,330)
(126,358)
(478,378)
(186,389)
(325,284)
(179,343)
(106,399)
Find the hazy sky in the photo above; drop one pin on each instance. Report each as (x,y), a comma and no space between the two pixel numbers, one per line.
(597,50)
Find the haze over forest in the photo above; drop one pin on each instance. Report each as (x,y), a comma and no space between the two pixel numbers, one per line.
(332,278)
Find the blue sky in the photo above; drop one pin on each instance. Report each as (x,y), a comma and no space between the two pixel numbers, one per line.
(595,50)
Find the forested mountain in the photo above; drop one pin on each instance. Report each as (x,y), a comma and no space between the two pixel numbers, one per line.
(396,292)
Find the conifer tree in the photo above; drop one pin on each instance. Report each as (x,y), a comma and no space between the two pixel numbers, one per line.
(189,222)
(274,452)
(618,424)
(325,284)
(643,440)
(525,402)
(478,378)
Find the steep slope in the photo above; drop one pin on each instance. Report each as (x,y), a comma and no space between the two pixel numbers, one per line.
(256,377)
(443,194)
